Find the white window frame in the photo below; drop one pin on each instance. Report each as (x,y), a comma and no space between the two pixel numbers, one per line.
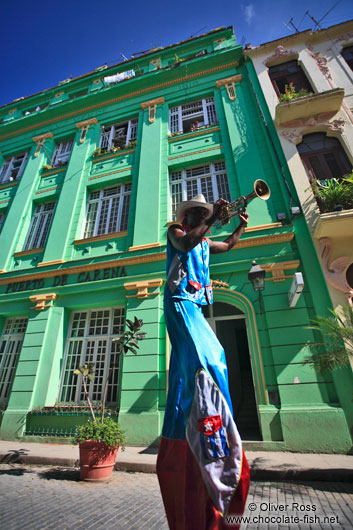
(209,179)
(9,168)
(84,347)
(10,347)
(62,153)
(40,225)
(206,116)
(102,210)
(111,133)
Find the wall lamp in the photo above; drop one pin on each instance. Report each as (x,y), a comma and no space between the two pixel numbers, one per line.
(257,277)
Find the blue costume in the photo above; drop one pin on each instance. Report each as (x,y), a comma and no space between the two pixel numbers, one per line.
(200,447)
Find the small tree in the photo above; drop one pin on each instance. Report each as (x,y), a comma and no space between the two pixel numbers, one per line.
(106,429)
(338,348)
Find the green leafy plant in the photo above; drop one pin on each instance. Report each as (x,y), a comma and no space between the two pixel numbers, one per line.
(332,195)
(290,93)
(106,429)
(46,167)
(338,348)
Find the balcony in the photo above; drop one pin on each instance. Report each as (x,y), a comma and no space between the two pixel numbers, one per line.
(204,139)
(318,107)
(335,224)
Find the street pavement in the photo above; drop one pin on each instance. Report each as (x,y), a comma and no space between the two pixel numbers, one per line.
(43,497)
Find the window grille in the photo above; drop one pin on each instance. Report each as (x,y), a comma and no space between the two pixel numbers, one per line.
(62,153)
(12,168)
(90,341)
(118,135)
(10,347)
(193,115)
(39,227)
(210,179)
(108,210)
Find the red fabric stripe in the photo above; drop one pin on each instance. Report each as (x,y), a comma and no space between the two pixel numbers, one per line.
(187,503)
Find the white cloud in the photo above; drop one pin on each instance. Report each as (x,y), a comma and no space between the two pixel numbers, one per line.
(249,12)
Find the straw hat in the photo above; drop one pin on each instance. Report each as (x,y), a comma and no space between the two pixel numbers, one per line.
(198,201)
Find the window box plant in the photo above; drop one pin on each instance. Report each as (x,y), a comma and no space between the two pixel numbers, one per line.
(334,195)
(46,167)
(100,438)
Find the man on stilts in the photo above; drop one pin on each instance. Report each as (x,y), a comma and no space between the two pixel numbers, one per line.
(201,466)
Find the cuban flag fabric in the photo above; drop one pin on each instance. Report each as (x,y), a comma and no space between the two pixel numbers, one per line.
(201,466)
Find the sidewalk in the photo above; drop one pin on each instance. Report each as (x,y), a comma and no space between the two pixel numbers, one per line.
(265,465)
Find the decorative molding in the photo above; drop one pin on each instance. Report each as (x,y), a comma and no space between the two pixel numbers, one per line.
(156,62)
(152,107)
(217,284)
(277,269)
(52,262)
(59,94)
(292,136)
(198,133)
(53,172)
(5,202)
(264,240)
(143,247)
(104,237)
(126,96)
(84,126)
(123,262)
(320,61)
(4,186)
(337,125)
(263,227)
(123,152)
(97,81)
(40,141)
(12,111)
(28,252)
(229,83)
(195,152)
(335,271)
(280,54)
(142,288)
(41,299)
(48,189)
(129,168)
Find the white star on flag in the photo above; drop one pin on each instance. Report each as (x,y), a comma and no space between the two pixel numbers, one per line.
(208,427)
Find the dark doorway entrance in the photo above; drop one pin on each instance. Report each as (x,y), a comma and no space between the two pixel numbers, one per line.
(229,324)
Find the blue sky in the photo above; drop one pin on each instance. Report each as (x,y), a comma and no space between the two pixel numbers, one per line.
(44,42)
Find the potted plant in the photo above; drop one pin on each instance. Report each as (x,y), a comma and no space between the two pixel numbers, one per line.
(46,167)
(290,93)
(100,438)
(334,195)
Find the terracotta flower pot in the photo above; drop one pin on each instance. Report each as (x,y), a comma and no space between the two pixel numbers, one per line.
(96,460)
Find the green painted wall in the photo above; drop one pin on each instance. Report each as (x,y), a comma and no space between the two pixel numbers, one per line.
(90,274)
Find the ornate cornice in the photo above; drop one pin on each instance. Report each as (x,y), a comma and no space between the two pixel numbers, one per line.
(124,97)
(41,299)
(85,123)
(233,79)
(264,240)
(41,137)
(142,288)
(156,101)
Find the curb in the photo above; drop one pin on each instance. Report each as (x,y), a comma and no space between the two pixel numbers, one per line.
(305,474)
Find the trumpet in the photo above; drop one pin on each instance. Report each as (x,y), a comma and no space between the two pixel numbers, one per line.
(261,190)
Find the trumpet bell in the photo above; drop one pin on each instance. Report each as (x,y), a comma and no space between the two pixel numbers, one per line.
(262,190)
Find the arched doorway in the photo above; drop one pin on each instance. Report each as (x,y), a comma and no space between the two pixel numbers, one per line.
(229,324)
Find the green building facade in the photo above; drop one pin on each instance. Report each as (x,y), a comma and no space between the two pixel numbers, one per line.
(90,174)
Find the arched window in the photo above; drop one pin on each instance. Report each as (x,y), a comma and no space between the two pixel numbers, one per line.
(347,54)
(323,157)
(285,73)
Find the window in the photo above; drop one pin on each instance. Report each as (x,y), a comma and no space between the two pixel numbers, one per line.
(12,168)
(39,227)
(90,341)
(323,157)
(2,219)
(108,210)
(62,153)
(210,179)
(10,347)
(193,115)
(286,73)
(118,135)
(347,54)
